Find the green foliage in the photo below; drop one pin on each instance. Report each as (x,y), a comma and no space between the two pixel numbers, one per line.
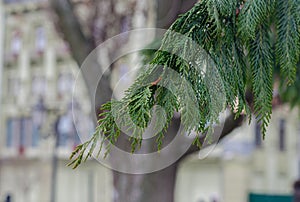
(288,43)
(290,93)
(261,63)
(254,14)
(212,53)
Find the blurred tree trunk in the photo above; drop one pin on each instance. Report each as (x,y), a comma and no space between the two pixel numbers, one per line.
(83,36)
(158,186)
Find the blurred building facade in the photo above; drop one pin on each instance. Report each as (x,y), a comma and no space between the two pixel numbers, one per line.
(37,67)
(38,75)
(244,167)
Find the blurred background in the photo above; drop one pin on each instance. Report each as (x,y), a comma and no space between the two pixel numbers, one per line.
(39,64)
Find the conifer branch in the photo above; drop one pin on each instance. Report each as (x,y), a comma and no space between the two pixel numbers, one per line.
(229,46)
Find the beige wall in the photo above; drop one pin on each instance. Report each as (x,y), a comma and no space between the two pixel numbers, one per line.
(25,180)
(29,180)
(236,180)
(91,182)
(198,181)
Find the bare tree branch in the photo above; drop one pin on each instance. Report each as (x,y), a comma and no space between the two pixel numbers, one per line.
(70,27)
(80,46)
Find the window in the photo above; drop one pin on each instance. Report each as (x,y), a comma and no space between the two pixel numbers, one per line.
(40,40)
(65,129)
(29,133)
(65,84)
(70,135)
(16,43)
(258,138)
(35,136)
(13,87)
(38,85)
(12,132)
(282,136)
(21,133)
